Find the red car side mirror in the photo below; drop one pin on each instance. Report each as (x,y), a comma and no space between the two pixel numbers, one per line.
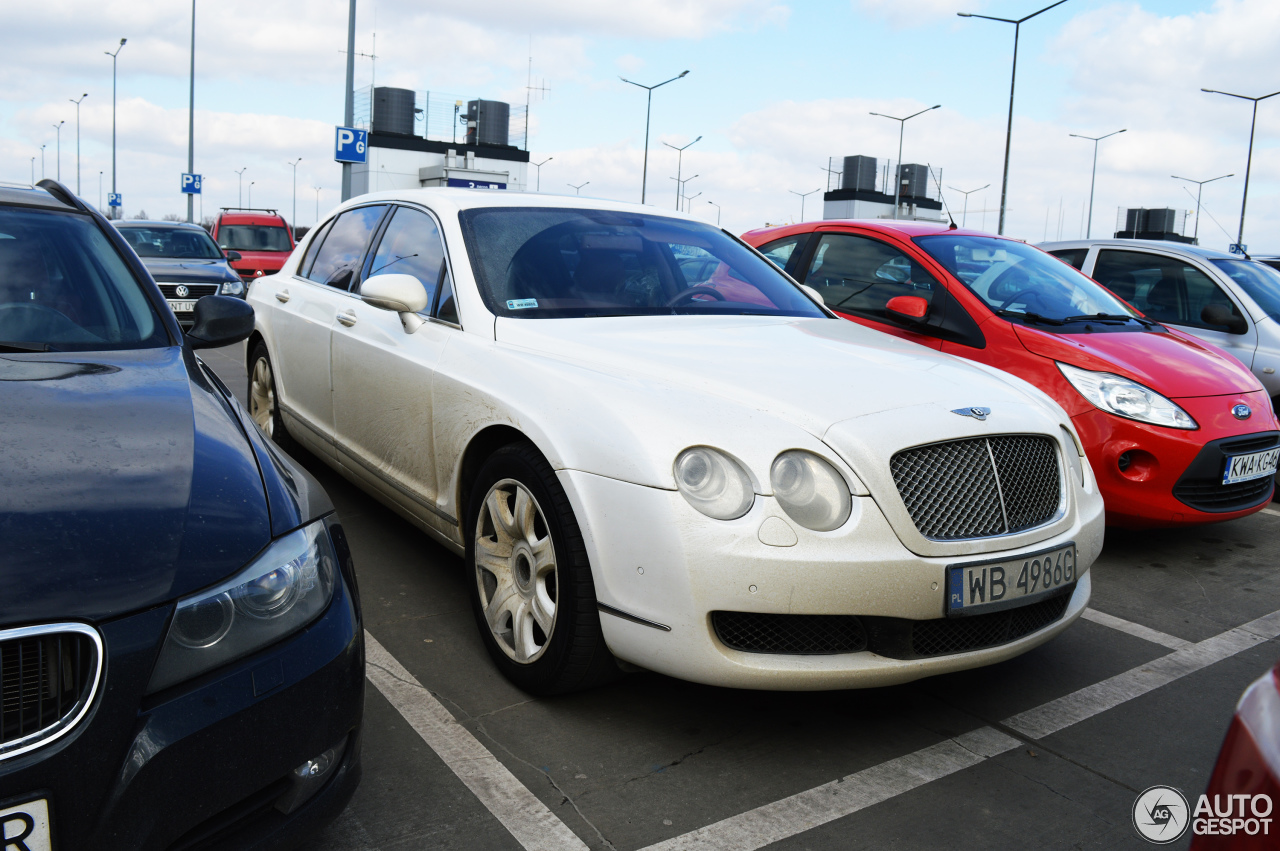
(911,308)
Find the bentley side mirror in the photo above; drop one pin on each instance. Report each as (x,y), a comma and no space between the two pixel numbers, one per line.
(908,309)
(404,294)
(1221,314)
(232,256)
(817,296)
(220,320)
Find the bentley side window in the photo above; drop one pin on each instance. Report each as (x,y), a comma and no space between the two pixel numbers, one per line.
(339,257)
(411,245)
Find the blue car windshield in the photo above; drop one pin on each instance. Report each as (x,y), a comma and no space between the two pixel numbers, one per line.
(1259,280)
(183,243)
(1020,282)
(64,287)
(541,262)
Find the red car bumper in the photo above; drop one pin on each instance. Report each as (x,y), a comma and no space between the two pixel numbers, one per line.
(1151,476)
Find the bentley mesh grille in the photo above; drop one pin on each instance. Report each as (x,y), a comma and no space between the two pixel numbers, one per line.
(979,487)
(754,632)
(46,679)
(958,635)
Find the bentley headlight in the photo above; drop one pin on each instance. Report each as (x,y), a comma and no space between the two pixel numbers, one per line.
(1124,398)
(286,587)
(811,491)
(714,483)
(235,287)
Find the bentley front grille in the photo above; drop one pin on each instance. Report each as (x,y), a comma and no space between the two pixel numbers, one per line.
(979,487)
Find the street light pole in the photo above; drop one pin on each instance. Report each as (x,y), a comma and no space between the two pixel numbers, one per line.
(240,186)
(191,116)
(42,147)
(349,110)
(679,164)
(577,189)
(539,166)
(58,127)
(802,197)
(317,189)
(680,189)
(1088,230)
(113,56)
(964,217)
(902,123)
(1244,200)
(1013,80)
(717,206)
(77,103)
(293,223)
(251,182)
(644,178)
(1199,188)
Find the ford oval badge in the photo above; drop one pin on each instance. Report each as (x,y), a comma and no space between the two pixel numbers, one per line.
(1241,412)
(976,413)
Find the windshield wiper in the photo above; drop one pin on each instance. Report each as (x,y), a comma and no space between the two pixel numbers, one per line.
(1034,317)
(1110,317)
(23,347)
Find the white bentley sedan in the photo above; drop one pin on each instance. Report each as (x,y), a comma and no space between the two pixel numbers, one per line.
(653,448)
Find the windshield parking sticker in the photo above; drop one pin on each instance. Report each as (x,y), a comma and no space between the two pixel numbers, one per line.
(522,303)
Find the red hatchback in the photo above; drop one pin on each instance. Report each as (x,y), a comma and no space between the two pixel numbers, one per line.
(1178,432)
(262,237)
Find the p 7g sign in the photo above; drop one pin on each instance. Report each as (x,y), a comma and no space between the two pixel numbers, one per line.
(351,145)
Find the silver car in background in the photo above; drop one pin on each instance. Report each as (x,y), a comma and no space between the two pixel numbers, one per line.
(1221,298)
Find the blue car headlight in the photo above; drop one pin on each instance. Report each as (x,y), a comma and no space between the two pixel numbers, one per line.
(235,287)
(282,590)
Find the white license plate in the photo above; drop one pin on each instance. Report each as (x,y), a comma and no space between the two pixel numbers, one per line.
(182,306)
(26,825)
(993,585)
(1256,465)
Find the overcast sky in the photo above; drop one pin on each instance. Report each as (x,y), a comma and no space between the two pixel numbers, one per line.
(774,89)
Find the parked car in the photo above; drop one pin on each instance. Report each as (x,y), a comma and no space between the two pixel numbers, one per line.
(1217,297)
(184,261)
(717,480)
(180,633)
(261,237)
(1271,260)
(1177,431)
(1245,784)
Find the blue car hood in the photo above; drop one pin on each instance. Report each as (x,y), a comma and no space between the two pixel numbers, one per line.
(189,271)
(127,482)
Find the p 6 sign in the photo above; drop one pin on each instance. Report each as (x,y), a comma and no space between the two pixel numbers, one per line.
(351,145)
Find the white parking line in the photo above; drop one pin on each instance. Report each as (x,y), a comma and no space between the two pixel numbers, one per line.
(1135,629)
(1271,511)
(534,826)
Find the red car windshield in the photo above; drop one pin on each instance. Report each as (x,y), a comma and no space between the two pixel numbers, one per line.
(253,238)
(1023,283)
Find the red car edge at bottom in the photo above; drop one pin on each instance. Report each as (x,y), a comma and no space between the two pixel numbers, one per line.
(1177,431)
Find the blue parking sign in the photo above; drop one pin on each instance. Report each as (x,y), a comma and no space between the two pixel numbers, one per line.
(115,199)
(351,145)
(191,183)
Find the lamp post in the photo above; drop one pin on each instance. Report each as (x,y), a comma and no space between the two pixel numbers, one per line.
(1013,79)
(77,103)
(539,166)
(33,171)
(644,177)
(42,147)
(99,191)
(902,123)
(680,189)
(58,127)
(251,182)
(113,56)
(191,116)
(1199,188)
(1249,162)
(349,107)
(577,189)
(717,206)
(317,189)
(1088,230)
(240,186)
(293,223)
(964,217)
(688,202)
(679,164)
(802,197)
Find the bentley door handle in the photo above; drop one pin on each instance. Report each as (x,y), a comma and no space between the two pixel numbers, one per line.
(282,296)
(347,318)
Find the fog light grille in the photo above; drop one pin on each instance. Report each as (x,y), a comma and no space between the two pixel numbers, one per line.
(957,635)
(797,635)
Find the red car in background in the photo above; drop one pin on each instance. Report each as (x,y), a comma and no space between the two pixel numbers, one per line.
(1178,432)
(261,236)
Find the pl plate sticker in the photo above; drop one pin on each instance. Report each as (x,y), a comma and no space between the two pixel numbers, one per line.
(522,303)
(1161,815)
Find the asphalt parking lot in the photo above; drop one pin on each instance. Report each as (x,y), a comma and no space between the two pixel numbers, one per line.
(1048,750)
